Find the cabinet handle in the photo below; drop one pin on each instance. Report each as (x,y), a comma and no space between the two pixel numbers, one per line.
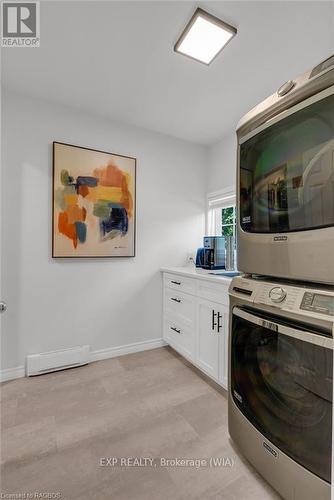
(176,282)
(175,300)
(175,329)
(219,326)
(213,324)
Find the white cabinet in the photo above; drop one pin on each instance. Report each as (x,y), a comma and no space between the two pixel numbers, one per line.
(208,338)
(180,305)
(196,322)
(213,291)
(211,340)
(180,337)
(180,283)
(224,334)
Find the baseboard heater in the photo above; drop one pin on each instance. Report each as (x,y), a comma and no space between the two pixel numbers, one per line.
(53,361)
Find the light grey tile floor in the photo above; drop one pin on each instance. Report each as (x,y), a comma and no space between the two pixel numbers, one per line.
(57,427)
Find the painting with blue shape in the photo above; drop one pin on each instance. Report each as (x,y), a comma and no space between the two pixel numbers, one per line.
(94,203)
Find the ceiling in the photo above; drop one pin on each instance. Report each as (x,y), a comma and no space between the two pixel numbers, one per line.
(116,59)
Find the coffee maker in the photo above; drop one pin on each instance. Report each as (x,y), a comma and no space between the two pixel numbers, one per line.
(212,255)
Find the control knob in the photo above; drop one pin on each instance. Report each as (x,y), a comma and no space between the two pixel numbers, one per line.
(286,88)
(277,294)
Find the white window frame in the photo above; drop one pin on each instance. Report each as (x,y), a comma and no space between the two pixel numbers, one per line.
(219,225)
(218,200)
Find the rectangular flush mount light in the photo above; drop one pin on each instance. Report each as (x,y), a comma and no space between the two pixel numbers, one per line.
(204,37)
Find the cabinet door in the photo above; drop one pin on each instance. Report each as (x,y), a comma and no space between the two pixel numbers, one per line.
(213,339)
(223,326)
(180,337)
(180,283)
(180,306)
(208,337)
(214,292)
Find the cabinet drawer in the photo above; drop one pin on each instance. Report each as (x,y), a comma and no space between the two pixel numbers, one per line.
(180,306)
(180,337)
(181,283)
(213,291)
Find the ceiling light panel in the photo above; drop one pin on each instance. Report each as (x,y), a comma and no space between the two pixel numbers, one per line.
(204,37)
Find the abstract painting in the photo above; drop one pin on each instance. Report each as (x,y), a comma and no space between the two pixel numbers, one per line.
(93,203)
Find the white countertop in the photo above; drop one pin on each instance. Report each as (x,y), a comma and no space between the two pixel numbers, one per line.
(195,272)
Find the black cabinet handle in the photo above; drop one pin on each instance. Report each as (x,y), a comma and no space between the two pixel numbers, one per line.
(213,323)
(219,326)
(176,282)
(175,329)
(175,300)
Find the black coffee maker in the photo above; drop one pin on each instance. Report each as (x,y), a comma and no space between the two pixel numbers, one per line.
(212,255)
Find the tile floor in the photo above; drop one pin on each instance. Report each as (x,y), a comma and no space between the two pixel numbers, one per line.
(57,427)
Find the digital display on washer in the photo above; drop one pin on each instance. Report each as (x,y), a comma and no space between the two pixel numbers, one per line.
(320,303)
(325,301)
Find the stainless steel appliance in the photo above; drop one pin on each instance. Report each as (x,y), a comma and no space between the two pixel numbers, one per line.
(214,252)
(285,181)
(280,382)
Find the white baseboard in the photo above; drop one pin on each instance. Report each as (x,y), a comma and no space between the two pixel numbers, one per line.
(111,352)
(12,373)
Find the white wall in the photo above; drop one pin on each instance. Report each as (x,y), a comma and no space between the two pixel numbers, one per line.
(103,302)
(222,163)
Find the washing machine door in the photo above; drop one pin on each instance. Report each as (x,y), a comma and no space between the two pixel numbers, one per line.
(281,380)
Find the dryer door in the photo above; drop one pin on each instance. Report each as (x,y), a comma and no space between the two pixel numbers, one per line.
(287,172)
(281,380)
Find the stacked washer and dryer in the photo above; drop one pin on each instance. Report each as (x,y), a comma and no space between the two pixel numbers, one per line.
(282,306)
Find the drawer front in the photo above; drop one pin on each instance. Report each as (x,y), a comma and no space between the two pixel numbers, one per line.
(215,292)
(181,283)
(180,306)
(181,338)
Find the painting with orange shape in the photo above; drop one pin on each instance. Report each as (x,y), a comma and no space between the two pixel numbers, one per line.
(126,196)
(67,229)
(109,176)
(83,190)
(75,213)
(94,203)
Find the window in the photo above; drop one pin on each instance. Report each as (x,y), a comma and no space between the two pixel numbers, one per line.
(221,220)
(228,221)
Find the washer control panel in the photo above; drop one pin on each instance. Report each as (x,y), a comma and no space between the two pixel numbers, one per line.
(284,297)
(301,300)
(277,294)
(321,303)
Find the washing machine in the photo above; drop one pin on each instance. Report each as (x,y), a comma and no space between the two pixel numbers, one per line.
(280,382)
